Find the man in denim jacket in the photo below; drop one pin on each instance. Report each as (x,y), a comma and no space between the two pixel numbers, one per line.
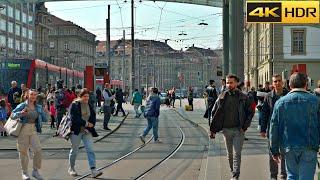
(294,127)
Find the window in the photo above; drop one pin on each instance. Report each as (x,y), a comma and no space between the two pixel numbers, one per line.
(51,44)
(10,43)
(30,19)
(17,30)
(17,45)
(24,32)
(24,17)
(3,11)
(30,34)
(66,46)
(30,48)
(2,41)
(17,14)
(2,24)
(24,46)
(298,39)
(10,27)
(10,11)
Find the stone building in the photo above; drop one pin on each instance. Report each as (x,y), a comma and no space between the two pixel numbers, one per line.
(281,49)
(157,64)
(42,27)
(70,45)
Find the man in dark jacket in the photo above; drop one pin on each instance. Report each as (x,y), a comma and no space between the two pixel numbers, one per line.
(119,99)
(14,95)
(212,95)
(232,114)
(266,113)
(99,96)
(152,113)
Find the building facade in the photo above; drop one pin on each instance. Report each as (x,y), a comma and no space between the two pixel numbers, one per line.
(157,64)
(281,49)
(17,30)
(70,45)
(42,27)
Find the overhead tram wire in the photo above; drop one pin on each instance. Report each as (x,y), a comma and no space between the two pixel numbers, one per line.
(161,8)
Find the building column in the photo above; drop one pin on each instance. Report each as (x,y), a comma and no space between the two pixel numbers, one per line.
(225,19)
(236,44)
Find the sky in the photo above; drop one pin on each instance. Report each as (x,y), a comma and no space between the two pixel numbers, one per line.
(153,21)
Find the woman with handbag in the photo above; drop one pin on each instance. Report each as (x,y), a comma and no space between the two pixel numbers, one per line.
(83,118)
(31,116)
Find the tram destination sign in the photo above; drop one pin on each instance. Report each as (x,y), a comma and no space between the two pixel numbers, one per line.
(13,66)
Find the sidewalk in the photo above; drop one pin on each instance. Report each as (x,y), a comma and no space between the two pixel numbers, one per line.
(48,141)
(255,162)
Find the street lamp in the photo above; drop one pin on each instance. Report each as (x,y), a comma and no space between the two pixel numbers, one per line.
(203,23)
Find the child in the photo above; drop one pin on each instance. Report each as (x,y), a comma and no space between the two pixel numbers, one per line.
(52,113)
(3,116)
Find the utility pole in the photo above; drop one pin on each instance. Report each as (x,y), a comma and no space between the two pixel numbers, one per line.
(139,65)
(123,59)
(108,42)
(132,46)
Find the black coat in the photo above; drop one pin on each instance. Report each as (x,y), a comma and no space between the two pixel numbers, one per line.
(78,122)
(246,112)
(267,109)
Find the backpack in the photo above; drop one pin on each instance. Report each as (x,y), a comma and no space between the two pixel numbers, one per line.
(59,98)
(64,130)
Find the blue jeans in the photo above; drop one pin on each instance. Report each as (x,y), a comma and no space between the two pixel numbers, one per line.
(88,143)
(152,123)
(301,164)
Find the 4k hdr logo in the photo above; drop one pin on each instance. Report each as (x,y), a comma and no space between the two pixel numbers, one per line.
(283,11)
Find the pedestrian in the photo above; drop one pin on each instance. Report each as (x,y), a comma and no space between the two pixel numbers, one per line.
(232,114)
(317,90)
(172,96)
(52,114)
(152,113)
(167,101)
(24,90)
(31,116)
(266,112)
(190,97)
(294,127)
(223,86)
(98,96)
(14,95)
(108,98)
(3,116)
(59,102)
(83,118)
(261,94)
(212,95)
(137,102)
(119,99)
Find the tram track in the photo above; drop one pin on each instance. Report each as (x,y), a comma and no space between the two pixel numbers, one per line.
(148,170)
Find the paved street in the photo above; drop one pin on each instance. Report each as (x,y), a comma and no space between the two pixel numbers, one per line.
(191,161)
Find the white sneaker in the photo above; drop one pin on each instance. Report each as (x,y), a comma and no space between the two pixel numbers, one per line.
(72,172)
(259,128)
(36,175)
(142,139)
(158,141)
(95,173)
(25,176)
